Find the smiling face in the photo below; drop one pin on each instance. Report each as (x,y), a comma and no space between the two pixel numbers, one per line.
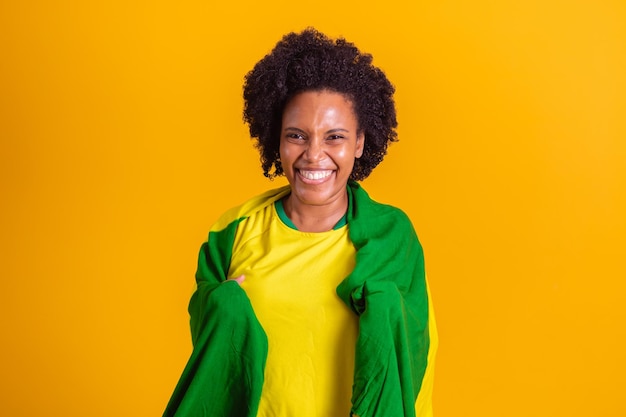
(318,145)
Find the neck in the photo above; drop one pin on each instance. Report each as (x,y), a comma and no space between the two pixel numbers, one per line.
(315,218)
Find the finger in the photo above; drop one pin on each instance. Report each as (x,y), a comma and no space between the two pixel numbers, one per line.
(239,279)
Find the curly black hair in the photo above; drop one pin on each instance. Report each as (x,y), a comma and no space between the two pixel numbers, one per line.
(310,61)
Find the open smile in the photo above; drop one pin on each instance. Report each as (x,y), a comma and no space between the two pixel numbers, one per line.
(314,176)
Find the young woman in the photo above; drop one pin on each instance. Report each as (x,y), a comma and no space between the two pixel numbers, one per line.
(312,299)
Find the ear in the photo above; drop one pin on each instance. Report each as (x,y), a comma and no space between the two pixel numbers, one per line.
(360,143)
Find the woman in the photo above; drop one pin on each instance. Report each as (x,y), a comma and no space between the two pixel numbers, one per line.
(311,299)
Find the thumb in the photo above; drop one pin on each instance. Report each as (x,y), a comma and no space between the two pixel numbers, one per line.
(238,279)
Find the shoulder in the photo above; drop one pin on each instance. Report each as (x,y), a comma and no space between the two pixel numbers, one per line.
(238,213)
(369,219)
(364,207)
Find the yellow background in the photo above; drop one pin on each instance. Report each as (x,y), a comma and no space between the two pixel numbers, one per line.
(122,141)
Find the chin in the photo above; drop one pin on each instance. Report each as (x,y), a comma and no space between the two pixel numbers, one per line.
(314,197)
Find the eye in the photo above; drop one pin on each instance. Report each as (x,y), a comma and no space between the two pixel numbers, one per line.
(335,137)
(294,136)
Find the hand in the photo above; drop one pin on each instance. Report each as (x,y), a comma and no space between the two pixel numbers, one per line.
(238,279)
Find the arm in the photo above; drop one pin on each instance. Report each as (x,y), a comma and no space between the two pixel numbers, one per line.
(387,289)
(224,374)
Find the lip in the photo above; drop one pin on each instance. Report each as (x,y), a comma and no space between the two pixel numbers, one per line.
(314,176)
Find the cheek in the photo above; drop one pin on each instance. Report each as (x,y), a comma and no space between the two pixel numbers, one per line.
(281,151)
(286,153)
(341,153)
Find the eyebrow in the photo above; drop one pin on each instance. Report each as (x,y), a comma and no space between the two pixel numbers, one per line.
(339,129)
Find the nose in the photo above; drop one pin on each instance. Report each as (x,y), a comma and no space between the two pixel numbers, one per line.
(314,150)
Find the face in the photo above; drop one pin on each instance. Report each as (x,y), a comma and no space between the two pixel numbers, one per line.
(318,145)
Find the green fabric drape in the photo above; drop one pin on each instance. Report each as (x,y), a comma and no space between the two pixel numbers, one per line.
(387,289)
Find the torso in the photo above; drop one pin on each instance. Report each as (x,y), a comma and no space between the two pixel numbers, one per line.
(291,277)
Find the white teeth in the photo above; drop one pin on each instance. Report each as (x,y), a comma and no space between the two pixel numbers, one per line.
(315,175)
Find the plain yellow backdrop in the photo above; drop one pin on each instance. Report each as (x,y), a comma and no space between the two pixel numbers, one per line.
(122,141)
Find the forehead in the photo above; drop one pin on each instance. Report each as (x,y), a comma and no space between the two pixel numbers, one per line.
(319,106)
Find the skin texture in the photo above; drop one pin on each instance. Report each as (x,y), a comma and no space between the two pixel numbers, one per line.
(319,143)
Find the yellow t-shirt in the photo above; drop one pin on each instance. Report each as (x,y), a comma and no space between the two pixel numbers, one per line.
(291,281)
(291,278)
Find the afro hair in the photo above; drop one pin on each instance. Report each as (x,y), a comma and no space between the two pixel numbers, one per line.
(310,61)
